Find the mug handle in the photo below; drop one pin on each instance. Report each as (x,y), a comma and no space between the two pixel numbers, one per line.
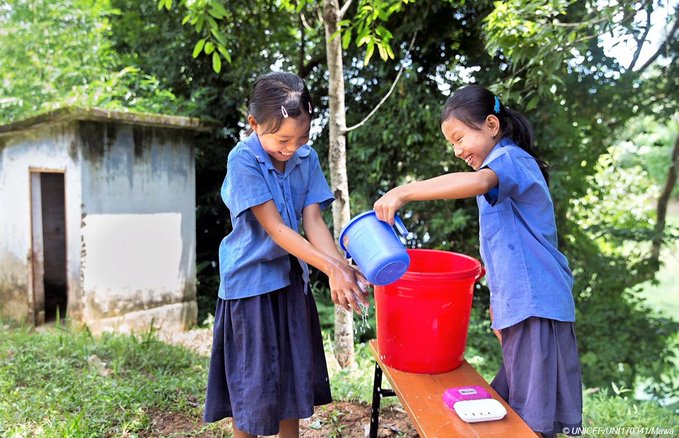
(402,230)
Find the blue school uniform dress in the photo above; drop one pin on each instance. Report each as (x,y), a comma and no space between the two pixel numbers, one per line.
(531,294)
(267,362)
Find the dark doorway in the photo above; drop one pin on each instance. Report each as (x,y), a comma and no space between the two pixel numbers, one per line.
(49,246)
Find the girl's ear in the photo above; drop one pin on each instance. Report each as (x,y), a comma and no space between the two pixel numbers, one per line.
(252,122)
(493,125)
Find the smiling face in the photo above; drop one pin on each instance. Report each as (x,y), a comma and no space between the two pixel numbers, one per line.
(471,145)
(282,144)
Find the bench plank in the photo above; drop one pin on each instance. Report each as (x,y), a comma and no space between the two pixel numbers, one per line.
(422,398)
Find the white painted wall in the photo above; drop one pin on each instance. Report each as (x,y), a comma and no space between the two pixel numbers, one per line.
(44,149)
(139,228)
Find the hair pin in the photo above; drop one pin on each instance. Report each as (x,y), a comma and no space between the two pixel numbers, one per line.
(310,110)
(496,108)
(284,111)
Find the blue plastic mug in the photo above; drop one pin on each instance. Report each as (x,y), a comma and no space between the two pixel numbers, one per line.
(376,248)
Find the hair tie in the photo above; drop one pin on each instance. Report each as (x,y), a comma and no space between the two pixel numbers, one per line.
(496,108)
(284,111)
(310,110)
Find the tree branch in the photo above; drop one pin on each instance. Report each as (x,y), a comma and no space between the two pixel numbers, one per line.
(663,200)
(386,96)
(663,46)
(642,39)
(344,9)
(302,43)
(590,23)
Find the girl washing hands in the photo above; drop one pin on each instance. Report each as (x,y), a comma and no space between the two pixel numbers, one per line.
(267,367)
(532,308)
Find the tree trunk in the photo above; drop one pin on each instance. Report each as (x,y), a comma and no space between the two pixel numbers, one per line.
(344,322)
(663,201)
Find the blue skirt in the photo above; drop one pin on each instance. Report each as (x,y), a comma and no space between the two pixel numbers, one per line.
(540,377)
(267,362)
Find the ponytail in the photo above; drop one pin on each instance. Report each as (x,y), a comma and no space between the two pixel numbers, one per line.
(518,128)
(473,104)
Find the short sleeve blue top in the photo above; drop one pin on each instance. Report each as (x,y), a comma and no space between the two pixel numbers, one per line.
(527,274)
(250,263)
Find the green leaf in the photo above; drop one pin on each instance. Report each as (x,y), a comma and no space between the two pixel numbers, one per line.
(346,39)
(198,47)
(335,34)
(383,51)
(219,36)
(218,11)
(390,52)
(216,62)
(209,47)
(533,103)
(211,22)
(225,53)
(369,52)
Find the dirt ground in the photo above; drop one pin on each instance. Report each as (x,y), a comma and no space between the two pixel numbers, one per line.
(337,419)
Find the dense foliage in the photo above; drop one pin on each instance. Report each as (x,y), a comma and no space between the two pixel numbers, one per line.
(54,54)
(541,57)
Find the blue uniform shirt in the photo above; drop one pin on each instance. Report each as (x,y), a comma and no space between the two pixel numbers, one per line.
(527,274)
(250,263)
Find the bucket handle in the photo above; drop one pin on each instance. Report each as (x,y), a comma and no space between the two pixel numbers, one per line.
(402,230)
(482,273)
(400,227)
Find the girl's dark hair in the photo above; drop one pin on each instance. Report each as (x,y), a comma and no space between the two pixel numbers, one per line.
(274,91)
(473,104)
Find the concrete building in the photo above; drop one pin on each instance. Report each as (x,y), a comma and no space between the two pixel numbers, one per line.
(97,219)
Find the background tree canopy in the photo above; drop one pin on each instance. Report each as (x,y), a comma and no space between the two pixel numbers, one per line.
(592,118)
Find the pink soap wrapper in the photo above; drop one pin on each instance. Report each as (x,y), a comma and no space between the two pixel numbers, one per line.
(460,393)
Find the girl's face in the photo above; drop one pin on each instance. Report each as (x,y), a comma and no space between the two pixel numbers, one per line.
(282,144)
(472,145)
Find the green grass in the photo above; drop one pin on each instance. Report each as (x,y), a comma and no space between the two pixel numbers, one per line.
(617,415)
(63,382)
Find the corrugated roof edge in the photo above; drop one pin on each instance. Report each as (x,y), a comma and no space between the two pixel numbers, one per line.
(102,115)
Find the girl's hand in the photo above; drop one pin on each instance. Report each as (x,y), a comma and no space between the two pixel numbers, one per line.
(387,206)
(345,287)
(498,333)
(363,282)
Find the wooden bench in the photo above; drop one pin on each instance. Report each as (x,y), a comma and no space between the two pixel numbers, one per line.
(422,398)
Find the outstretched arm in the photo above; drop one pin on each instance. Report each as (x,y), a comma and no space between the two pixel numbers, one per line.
(456,185)
(342,277)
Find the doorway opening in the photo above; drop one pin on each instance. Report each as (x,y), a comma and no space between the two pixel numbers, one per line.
(50,285)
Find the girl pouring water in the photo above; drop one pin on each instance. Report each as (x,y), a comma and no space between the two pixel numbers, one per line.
(530,282)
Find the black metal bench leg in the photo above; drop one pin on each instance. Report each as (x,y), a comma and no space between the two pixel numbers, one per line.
(375,414)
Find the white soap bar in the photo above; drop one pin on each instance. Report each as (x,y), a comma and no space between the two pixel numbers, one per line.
(485,409)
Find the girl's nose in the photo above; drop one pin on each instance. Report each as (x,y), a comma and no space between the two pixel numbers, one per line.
(457,151)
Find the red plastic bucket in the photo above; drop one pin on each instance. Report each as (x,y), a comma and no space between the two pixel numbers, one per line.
(422,319)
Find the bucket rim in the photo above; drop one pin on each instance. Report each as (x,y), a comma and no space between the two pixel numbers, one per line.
(350,224)
(476,272)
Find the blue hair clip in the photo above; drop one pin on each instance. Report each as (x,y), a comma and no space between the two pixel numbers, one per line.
(496,108)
